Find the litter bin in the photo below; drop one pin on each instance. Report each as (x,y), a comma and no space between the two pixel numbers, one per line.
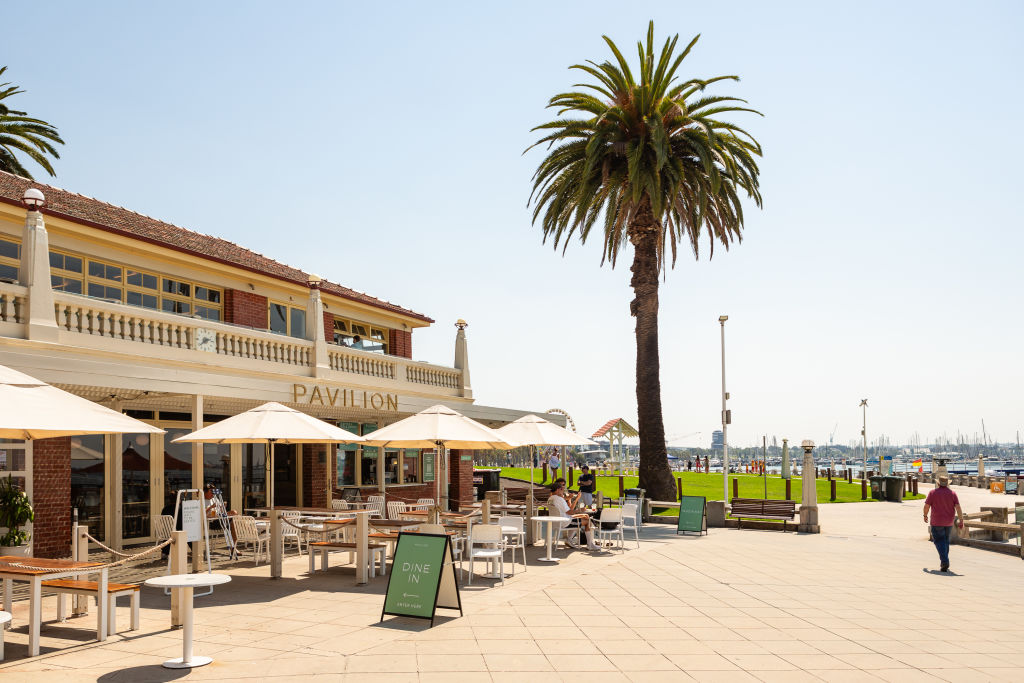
(635,496)
(878,488)
(894,489)
(486,480)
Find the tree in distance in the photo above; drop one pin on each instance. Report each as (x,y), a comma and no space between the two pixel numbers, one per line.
(651,163)
(21,133)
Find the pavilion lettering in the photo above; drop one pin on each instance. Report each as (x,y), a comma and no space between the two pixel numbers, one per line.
(344,398)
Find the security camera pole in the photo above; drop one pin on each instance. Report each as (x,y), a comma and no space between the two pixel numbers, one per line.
(725,423)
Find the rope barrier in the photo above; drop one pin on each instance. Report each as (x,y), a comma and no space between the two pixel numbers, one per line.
(93,568)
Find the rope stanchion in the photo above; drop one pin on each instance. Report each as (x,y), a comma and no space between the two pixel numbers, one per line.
(94,568)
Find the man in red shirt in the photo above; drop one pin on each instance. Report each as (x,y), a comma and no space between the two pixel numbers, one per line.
(944,506)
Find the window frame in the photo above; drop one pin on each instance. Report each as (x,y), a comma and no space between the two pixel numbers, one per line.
(12,262)
(289,311)
(349,333)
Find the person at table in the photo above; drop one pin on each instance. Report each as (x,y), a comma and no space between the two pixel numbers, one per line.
(561,504)
(586,484)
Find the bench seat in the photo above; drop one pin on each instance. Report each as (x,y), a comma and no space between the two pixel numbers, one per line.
(754,508)
(378,552)
(92,588)
(1000,529)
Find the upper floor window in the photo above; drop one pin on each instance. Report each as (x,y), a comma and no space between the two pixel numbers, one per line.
(290,320)
(124,284)
(10,260)
(359,335)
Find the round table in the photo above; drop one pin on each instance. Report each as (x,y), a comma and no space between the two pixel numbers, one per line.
(187,582)
(550,521)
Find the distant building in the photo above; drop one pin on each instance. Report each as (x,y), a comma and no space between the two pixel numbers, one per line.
(717,440)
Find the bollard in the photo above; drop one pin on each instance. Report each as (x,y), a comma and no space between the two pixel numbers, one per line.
(485,512)
(735,488)
(863,489)
(833,485)
(789,491)
(915,486)
(679,487)
(849,476)
(80,553)
(179,565)
(276,545)
(622,486)
(572,475)
(817,475)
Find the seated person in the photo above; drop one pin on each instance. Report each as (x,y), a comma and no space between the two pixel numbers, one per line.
(559,505)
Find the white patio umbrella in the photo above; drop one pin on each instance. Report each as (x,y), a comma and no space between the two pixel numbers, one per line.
(269,424)
(32,409)
(439,427)
(531,430)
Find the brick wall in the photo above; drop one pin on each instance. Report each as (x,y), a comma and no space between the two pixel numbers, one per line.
(461,478)
(245,308)
(329,327)
(51,497)
(314,475)
(400,343)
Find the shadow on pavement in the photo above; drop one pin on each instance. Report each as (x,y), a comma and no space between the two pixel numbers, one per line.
(936,572)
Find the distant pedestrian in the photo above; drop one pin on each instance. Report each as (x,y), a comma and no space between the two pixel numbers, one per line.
(944,506)
(586,484)
(554,463)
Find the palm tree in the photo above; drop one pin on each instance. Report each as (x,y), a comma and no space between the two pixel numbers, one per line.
(18,132)
(655,165)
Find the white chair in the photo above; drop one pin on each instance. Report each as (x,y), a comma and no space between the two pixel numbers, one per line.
(375,504)
(610,525)
(486,543)
(246,532)
(396,509)
(514,531)
(338,504)
(5,617)
(629,521)
(428,501)
(570,531)
(288,532)
(163,527)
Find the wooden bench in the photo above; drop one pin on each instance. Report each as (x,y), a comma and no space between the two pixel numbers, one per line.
(999,530)
(378,554)
(114,590)
(756,508)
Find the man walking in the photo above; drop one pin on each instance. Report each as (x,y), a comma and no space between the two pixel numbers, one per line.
(586,484)
(944,506)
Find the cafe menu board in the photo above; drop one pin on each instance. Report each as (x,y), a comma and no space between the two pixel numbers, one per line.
(422,578)
(692,515)
(192,519)
(428,465)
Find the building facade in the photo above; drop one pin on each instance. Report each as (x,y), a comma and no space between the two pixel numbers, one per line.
(180,330)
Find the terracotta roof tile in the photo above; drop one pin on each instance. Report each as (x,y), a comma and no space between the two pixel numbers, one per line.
(82,209)
(627,430)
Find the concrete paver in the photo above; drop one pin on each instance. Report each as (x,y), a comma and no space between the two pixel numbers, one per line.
(859,602)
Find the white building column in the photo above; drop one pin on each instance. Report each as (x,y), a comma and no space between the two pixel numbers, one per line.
(462,358)
(809,499)
(40,319)
(315,327)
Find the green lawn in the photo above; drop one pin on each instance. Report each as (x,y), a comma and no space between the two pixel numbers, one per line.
(710,486)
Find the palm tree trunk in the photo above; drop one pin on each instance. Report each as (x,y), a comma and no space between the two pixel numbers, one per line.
(655,476)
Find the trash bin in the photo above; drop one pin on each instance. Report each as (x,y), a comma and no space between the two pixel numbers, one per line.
(635,496)
(486,480)
(894,487)
(878,488)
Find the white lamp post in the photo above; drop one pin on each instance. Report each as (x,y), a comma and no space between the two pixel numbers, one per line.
(725,421)
(864,437)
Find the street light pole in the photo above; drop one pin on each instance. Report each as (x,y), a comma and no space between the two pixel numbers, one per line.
(725,421)
(864,436)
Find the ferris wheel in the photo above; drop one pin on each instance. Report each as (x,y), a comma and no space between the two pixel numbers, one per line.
(568,418)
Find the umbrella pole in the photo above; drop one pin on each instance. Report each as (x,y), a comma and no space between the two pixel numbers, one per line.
(270,479)
(529,499)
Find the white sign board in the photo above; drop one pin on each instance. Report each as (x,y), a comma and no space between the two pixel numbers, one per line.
(192,519)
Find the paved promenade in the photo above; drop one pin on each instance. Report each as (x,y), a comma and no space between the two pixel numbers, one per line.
(861,601)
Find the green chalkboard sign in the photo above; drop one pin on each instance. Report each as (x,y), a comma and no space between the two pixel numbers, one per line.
(422,577)
(428,466)
(693,514)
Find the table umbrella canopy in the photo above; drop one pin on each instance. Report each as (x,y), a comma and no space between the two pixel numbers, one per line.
(531,430)
(32,409)
(438,425)
(270,422)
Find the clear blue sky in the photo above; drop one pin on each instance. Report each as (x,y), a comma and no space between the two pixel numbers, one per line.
(381,145)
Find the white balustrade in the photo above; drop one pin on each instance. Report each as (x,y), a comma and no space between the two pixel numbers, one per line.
(361,363)
(434,376)
(12,303)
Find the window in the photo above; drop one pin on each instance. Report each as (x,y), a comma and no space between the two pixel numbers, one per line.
(368,461)
(114,282)
(357,465)
(10,259)
(360,336)
(285,319)
(411,466)
(346,457)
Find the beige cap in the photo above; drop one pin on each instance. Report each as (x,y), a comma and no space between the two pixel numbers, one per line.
(943,481)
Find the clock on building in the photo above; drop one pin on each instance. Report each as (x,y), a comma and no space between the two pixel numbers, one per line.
(206,339)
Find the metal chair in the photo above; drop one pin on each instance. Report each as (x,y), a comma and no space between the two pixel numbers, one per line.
(486,543)
(338,504)
(514,530)
(375,504)
(629,521)
(610,525)
(288,532)
(163,527)
(248,533)
(396,509)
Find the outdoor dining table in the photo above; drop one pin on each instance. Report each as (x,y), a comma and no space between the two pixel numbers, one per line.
(549,521)
(187,582)
(394,523)
(35,570)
